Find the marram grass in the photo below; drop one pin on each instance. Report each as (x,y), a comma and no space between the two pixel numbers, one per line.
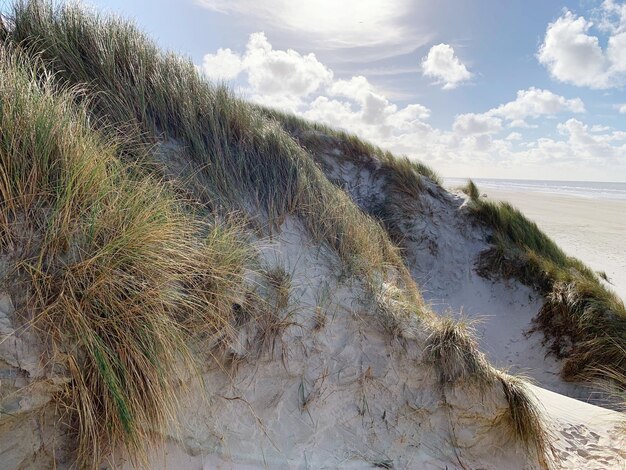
(115,270)
(122,275)
(583,322)
(244,157)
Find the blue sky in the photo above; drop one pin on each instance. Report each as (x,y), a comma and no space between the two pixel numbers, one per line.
(515,89)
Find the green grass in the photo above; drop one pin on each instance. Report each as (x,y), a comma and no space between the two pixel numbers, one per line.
(123,277)
(114,269)
(315,137)
(583,321)
(244,158)
(404,178)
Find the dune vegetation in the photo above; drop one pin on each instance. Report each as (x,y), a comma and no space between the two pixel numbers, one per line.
(126,266)
(118,274)
(583,321)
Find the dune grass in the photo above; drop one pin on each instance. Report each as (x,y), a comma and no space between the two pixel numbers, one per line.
(138,274)
(244,157)
(526,421)
(453,350)
(404,172)
(404,178)
(583,321)
(114,270)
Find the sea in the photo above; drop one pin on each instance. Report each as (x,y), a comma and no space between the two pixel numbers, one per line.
(583,189)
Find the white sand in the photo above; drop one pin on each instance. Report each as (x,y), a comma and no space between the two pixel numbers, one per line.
(593,230)
(347,394)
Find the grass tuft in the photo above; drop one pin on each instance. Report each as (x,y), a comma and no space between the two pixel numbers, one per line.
(110,263)
(583,321)
(526,420)
(472,191)
(452,349)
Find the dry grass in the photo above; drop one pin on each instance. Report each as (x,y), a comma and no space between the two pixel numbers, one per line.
(453,351)
(525,419)
(404,179)
(279,281)
(246,159)
(316,137)
(121,275)
(110,262)
(583,321)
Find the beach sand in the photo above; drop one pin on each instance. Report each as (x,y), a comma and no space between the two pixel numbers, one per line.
(592,230)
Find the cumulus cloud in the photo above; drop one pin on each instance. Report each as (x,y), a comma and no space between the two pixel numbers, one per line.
(622,108)
(585,144)
(535,102)
(273,72)
(442,64)
(530,103)
(470,123)
(274,76)
(301,83)
(356,105)
(223,65)
(573,55)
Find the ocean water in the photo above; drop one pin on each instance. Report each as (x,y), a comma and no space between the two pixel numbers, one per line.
(584,189)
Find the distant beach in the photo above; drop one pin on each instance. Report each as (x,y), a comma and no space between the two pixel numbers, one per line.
(586,219)
(581,189)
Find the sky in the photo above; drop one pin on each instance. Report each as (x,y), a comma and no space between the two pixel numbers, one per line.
(528,89)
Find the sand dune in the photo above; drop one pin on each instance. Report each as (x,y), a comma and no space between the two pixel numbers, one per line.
(589,229)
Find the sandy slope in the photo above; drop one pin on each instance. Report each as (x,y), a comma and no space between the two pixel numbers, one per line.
(343,395)
(368,401)
(441,243)
(584,435)
(332,388)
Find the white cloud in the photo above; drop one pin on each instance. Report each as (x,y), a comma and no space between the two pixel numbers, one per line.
(365,110)
(520,123)
(337,24)
(622,108)
(470,123)
(272,72)
(611,16)
(530,103)
(301,83)
(443,65)
(223,65)
(275,77)
(586,145)
(572,55)
(536,102)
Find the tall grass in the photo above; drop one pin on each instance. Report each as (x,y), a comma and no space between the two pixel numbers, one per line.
(114,270)
(137,274)
(403,178)
(316,137)
(245,159)
(584,322)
